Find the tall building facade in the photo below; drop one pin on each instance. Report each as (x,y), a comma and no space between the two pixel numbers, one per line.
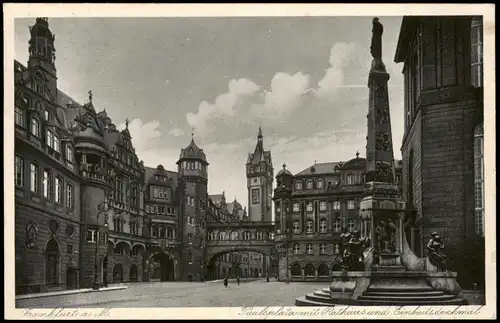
(442,149)
(312,209)
(87,210)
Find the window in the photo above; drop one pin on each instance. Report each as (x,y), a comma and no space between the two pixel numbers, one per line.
(477,51)
(69,154)
(69,249)
(48,115)
(351,225)
(296,227)
(35,127)
(134,227)
(161,209)
(255,196)
(259,235)
(398,179)
(47,189)
(190,258)
(322,248)
(57,144)
(58,190)
(350,179)
(191,199)
(247,235)
(190,238)
(296,207)
(34,178)
(322,206)
(19,176)
(19,117)
(309,184)
(309,227)
(298,185)
(309,206)
(69,195)
(479,180)
(337,226)
(351,205)
(118,224)
(296,248)
(50,139)
(319,183)
(322,226)
(336,205)
(309,249)
(91,235)
(336,248)
(222,236)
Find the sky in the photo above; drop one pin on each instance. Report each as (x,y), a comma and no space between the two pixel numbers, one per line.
(302,79)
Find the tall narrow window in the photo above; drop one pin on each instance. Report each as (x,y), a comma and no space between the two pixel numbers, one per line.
(56,144)
(309,184)
(309,206)
(296,248)
(69,195)
(34,178)
(69,154)
(35,127)
(336,226)
(336,205)
(322,206)
(309,249)
(190,258)
(322,226)
(477,51)
(52,262)
(50,139)
(351,225)
(351,205)
(19,164)
(19,117)
(46,184)
(322,248)
(296,227)
(58,190)
(309,227)
(479,180)
(410,178)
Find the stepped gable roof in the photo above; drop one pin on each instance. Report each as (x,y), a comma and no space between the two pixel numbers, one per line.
(319,168)
(216,198)
(192,151)
(150,176)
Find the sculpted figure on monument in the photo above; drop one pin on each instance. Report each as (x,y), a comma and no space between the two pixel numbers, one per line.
(345,237)
(435,251)
(391,235)
(381,234)
(376,45)
(353,257)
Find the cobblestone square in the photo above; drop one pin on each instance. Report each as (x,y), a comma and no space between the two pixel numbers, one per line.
(183,294)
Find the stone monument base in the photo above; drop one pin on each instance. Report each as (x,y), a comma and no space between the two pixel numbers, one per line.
(384,288)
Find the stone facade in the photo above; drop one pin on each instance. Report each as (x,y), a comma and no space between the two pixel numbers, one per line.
(442,59)
(311,210)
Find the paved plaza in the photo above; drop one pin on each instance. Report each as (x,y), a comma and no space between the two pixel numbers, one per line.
(183,294)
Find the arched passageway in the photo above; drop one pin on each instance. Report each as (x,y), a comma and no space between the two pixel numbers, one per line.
(118,273)
(71,278)
(52,263)
(133,275)
(161,267)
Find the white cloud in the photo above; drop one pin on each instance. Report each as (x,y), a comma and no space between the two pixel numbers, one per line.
(176,132)
(340,54)
(285,95)
(144,135)
(224,105)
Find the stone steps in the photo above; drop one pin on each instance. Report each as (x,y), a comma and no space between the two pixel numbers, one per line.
(411,302)
(302,301)
(403,293)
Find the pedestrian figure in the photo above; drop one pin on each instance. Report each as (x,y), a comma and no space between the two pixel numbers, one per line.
(225,281)
(238,280)
(267,278)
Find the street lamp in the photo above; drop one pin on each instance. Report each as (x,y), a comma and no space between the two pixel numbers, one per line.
(102,207)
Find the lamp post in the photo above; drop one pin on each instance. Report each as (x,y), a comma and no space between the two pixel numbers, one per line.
(102,207)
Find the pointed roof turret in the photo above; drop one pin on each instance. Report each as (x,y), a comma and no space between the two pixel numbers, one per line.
(192,151)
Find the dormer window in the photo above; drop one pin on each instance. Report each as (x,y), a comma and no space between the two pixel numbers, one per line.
(309,184)
(35,127)
(48,115)
(319,184)
(298,185)
(351,179)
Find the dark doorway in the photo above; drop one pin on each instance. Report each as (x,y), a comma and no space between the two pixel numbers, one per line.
(71,278)
(164,267)
(190,278)
(256,272)
(133,273)
(118,273)
(105,271)
(51,263)
(245,272)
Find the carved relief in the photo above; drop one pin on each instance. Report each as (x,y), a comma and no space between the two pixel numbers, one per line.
(31,234)
(383,141)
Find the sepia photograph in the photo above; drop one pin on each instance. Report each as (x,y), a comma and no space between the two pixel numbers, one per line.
(271,164)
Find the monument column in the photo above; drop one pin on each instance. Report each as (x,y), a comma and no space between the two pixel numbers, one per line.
(381,202)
